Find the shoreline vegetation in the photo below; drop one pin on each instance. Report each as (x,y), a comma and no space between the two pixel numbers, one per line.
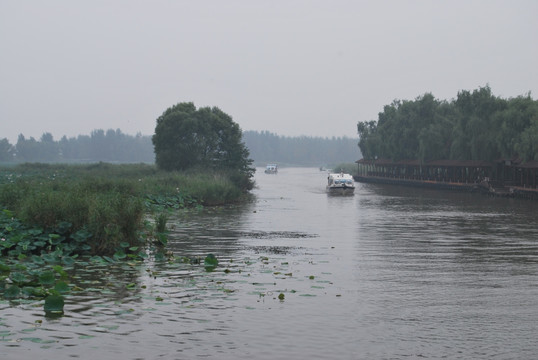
(55,214)
(108,201)
(114,146)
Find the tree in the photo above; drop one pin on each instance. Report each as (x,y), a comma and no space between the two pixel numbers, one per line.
(6,150)
(207,138)
(475,126)
(27,149)
(48,148)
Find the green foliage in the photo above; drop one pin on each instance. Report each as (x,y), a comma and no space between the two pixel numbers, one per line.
(67,214)
(55,216)
(54,304)
(6,151)
(112,219)
(62,210)
(210,262)
(474,126)
(186,138)
(160,222)
(30,279)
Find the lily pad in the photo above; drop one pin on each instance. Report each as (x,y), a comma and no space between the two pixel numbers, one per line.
(54,304)
(18,277)
(61,287)
(210,262)
(47,278)
(12,292)
(4,268)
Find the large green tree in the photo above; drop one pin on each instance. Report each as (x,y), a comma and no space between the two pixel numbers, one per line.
(208,138)
(475,126)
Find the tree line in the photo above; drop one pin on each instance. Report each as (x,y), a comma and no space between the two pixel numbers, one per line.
(267,147)
(107,146)
(475,126)
(116,146)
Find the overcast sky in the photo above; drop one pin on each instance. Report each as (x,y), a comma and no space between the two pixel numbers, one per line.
(292,67)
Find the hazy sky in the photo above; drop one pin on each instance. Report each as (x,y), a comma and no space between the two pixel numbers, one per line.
(293,67)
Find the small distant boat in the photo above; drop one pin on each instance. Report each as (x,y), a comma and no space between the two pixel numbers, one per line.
(340,184)
(271,169)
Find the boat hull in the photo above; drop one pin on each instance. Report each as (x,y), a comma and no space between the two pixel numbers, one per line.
(340,190)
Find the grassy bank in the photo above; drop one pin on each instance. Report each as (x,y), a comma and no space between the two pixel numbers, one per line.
(98,208)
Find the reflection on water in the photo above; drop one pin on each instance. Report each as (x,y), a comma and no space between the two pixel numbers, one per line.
(391,272)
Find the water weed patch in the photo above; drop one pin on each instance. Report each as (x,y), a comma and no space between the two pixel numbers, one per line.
(52,215)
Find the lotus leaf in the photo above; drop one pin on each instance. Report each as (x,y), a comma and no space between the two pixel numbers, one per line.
(54,304)
(210,262)
(4,268)
(47,278)
(60,270)
(18,277)
(12,292)
(61,287)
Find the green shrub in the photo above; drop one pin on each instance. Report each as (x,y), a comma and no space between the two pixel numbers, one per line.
(43,209)
(113,218)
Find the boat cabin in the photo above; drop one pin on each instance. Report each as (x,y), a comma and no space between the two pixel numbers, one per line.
(271,169)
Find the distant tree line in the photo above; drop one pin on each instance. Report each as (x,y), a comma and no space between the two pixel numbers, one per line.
(475,126)
(266,147)
(115,146)
(100,145)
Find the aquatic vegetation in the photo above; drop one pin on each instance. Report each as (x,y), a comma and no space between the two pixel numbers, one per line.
(210,262)
(160,222)
(112,291)
(54,304)
(62,225)
(32,278)
(98,207)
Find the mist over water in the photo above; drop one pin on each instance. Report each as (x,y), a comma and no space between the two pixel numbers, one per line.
(391,272)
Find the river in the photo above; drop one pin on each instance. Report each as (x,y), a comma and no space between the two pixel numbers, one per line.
(389,273)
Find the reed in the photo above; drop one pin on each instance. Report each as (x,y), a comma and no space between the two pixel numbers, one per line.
(109,201)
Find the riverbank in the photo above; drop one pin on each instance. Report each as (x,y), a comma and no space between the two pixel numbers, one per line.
(110,202)
(490,189)
(506,177)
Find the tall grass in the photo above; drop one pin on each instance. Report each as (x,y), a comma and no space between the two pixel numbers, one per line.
(207,188)
(108,209)
(106,200)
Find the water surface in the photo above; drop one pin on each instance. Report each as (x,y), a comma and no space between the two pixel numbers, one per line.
(389,273)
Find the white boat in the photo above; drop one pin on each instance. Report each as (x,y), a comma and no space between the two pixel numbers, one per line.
(271,169)
(340,184)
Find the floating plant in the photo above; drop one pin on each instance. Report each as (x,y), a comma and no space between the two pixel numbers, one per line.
(210,262)
(54,304)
